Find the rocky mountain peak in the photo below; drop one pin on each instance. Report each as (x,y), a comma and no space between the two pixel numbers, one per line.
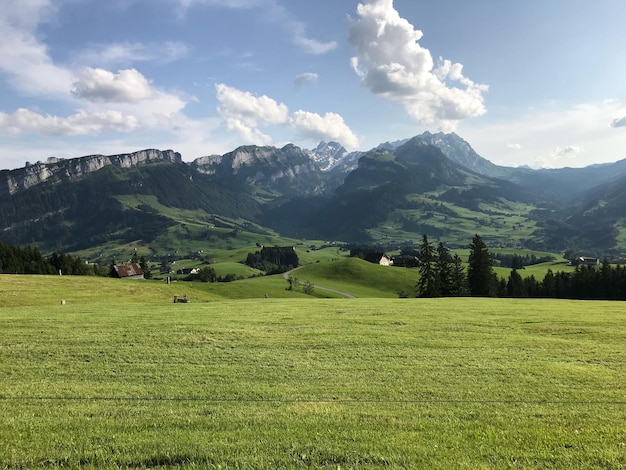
(328,154)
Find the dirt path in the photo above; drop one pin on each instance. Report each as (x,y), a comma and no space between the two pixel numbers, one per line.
(327,289)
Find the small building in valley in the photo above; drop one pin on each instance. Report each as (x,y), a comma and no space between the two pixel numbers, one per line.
(187,271)
(128,271)
(583,261)
(379,258)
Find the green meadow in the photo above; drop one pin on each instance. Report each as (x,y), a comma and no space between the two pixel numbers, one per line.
(120,377)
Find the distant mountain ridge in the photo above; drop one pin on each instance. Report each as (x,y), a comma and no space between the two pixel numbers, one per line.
(12,181)
(432,183)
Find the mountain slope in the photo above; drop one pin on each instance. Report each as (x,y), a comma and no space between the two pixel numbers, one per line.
(433,184)
(401,193)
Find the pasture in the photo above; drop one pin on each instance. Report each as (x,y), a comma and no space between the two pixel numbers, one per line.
(119,377)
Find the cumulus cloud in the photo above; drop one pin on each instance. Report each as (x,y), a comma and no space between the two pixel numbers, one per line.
(305,78)
(81,123)
(392,64)
(331,126)
(131,94)
(244,113)
(23,58)
(621,122)
(99,85)
(514,146)
(251,110)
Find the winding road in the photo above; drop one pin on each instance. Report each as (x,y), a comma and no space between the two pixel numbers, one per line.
(327,289)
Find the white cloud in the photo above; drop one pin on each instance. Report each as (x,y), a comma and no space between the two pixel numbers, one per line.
(251,110)
(22,57)
(621,122)
(553,136)
(514,146)
(81,123)
(331,126)
(99,85)
(392,64)
(127,53)
(305,78)
(244,113)
(300,38)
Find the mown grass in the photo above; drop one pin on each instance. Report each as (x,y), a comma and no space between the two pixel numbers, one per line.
(360,278)
(309,383)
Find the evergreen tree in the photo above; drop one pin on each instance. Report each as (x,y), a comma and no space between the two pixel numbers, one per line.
(548,286)
(532,286)
(112,271)
(443,269)
(458,282)
(480,274)
(515,287)
(517,262)
(144,267)
(428,283)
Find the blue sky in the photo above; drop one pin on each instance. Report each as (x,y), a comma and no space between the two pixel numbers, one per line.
(525,82)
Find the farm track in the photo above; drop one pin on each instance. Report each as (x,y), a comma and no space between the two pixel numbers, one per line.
(327,289)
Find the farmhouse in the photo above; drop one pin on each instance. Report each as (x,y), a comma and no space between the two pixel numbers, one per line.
(379,258)
(187,271)
(128,271)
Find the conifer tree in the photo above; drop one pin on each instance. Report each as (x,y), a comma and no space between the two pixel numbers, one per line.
(480,274)
(427,285)
(515,287)
(147,274)
(458,278)
(443,270)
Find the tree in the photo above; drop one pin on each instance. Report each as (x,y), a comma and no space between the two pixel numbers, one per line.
(205,274)
(517,262)
(144,267)
(443,269)
(458,278)
(515,287)
(480,275)
(428,283)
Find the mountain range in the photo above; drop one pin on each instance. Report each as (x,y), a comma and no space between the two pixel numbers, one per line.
(433,184)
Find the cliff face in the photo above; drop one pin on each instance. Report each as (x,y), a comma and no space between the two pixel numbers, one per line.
(13,181)
(258,164)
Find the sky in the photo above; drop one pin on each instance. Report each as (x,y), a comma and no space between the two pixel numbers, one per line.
(526,82)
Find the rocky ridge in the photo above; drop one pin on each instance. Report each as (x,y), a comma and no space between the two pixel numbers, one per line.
(13,181)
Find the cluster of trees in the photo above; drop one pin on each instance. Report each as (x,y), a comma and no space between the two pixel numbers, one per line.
(516,261)
(273,259)
(29,260)
(444,275)
(586,282)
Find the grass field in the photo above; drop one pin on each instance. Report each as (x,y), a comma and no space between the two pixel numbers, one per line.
(118,378)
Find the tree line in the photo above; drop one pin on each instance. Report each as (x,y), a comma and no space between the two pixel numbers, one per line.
(29,260)
(586,283)
(444,275)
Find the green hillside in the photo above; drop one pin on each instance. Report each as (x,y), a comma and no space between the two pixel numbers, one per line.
(119,377)
(360,278)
